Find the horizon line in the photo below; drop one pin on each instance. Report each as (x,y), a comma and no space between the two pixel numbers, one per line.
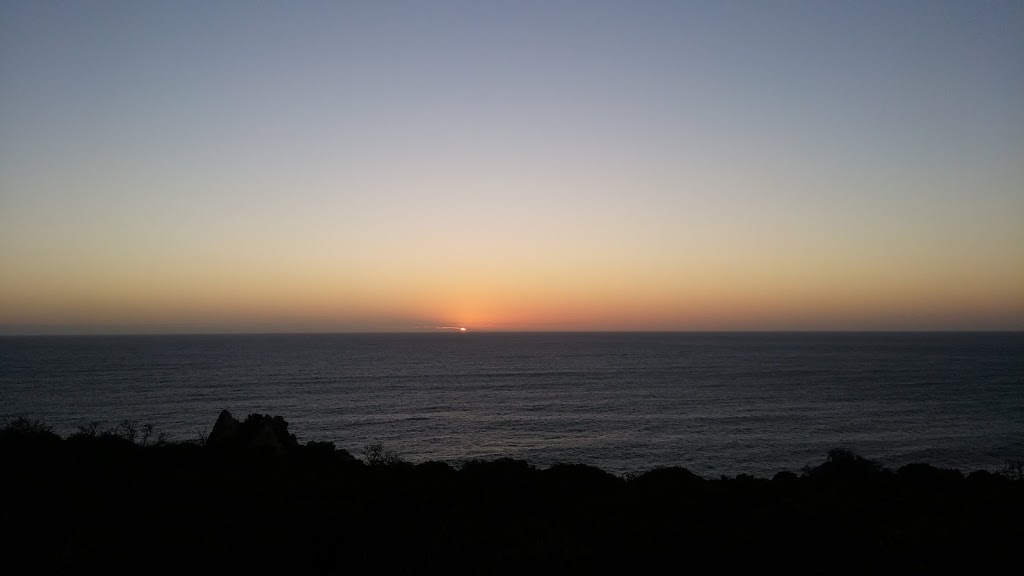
(483,331)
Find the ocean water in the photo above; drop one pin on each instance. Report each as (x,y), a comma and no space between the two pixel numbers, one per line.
(715,403)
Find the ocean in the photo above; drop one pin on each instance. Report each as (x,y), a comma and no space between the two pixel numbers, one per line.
(715,403)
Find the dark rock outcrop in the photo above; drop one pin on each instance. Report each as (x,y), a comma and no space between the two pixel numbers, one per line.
(225,430)
(259,432)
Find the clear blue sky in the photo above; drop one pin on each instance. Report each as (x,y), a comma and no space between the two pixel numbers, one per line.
(223,166)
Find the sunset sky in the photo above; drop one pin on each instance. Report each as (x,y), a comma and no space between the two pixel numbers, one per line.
(402,166)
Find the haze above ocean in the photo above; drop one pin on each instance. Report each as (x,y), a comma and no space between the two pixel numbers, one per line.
(715,403)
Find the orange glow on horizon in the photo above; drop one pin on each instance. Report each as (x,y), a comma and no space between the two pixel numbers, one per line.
(726,290)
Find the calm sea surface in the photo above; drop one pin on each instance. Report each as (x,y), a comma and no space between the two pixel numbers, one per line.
(716,403)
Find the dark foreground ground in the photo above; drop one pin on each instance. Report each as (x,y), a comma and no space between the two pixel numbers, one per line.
(252,499)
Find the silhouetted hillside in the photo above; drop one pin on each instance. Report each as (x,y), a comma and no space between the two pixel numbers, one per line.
(251,497)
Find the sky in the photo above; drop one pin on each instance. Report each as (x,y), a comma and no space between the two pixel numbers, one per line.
(362,166)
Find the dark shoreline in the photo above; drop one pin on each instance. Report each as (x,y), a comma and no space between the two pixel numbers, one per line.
(252,497)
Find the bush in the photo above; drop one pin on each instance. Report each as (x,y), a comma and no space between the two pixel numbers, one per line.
(25,430)
(377,455)
(1013,470)
(845,465)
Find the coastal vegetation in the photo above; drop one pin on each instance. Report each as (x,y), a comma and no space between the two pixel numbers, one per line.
(251,497)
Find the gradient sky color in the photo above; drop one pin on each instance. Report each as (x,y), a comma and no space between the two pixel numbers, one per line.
(388,166)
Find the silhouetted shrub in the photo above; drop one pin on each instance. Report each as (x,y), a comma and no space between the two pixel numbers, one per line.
(435,468)
(844,465)
(28,435)
(928,475)
(145,432)
(435,474)
(667,480)
(90,430)
(319,450)
(785,478)
(503,472)
(125,433)
(984,479)
(580,477)
(377,455)
(127,429)
(1013,470)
